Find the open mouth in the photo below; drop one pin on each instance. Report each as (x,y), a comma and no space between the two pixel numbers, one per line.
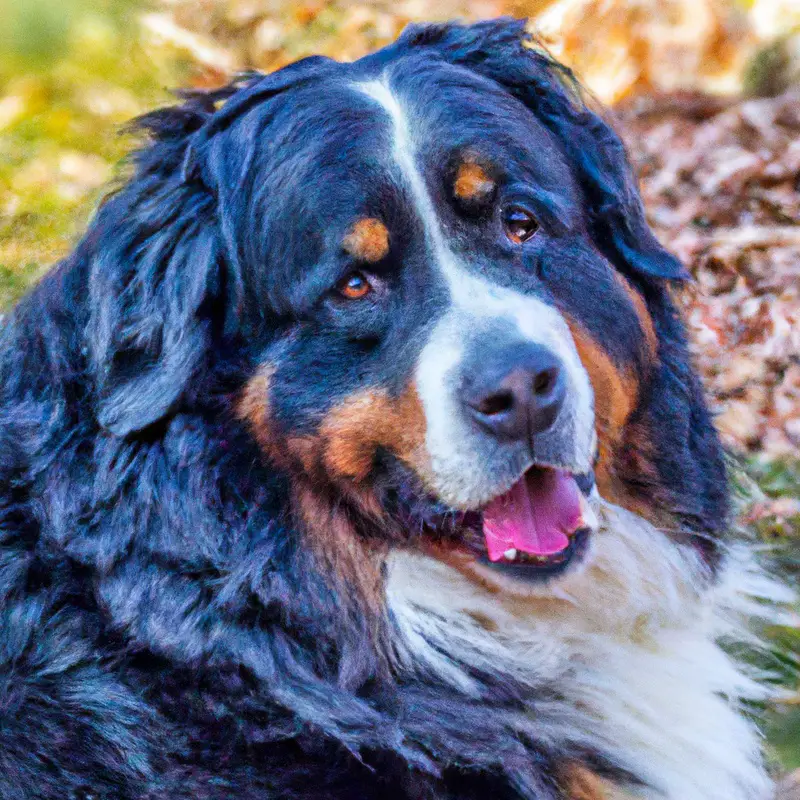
(528,567)
(533,532)
(539,526)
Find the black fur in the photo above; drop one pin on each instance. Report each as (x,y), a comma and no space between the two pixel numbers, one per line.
(164,632)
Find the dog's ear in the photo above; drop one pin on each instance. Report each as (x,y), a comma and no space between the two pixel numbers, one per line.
(504,51)
(154,282)
(165,271)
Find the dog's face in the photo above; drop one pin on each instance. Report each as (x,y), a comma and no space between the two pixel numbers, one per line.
(454,322)
(451,337)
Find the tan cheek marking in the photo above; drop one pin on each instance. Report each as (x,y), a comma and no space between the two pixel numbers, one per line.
(345,445)
(615,397)
(580,783)
(253,407)
(303,451)
(472,183)
(341,552)
(365,421)
(642,312)
(626,453)
(367,241)
(639,455)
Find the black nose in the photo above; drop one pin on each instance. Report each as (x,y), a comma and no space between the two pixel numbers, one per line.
(515,393)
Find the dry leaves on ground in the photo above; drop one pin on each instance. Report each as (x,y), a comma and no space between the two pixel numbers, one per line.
(721,184)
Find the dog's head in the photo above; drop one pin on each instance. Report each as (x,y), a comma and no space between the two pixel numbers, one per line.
(433,274)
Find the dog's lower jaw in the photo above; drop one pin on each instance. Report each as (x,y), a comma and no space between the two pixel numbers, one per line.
(629,644)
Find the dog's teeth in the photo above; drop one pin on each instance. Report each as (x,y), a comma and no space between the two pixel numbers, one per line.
(510,554)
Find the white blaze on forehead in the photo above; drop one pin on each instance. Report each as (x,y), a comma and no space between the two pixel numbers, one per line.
(405,158)
(466,469)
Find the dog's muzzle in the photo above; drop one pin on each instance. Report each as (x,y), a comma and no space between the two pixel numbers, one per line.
(513,391)
(510,433)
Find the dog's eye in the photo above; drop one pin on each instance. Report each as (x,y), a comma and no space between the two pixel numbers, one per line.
(519,224)
(355,286)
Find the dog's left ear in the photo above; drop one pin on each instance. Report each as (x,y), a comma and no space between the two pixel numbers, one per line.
(166,277)
(154,283)
(504,51)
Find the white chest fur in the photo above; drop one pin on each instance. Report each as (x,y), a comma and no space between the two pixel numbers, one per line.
(631,643)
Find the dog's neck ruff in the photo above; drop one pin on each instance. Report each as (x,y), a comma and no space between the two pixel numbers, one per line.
(629,646)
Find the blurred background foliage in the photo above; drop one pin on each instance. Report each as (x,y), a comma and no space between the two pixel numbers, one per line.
(706,94)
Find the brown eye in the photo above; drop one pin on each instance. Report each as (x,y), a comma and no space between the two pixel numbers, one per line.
(519,224)
(355,286)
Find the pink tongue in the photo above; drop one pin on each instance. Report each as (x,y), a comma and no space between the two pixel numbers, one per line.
(534,516)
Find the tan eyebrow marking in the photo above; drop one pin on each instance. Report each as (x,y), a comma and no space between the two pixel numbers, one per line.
(367,240)
(472,183)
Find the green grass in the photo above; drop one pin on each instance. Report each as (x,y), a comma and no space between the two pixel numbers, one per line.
(760,480)
(70,78)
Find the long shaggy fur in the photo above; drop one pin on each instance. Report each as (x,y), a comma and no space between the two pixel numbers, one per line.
(167,629)
(634,647)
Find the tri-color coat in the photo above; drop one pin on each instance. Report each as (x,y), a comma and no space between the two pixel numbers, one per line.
(257,431)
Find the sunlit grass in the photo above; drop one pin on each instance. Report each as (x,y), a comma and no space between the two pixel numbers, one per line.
(70,78)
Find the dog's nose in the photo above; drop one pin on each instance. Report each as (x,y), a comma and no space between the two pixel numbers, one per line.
(517,393)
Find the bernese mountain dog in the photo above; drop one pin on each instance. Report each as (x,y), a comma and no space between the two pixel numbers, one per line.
(356,452)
